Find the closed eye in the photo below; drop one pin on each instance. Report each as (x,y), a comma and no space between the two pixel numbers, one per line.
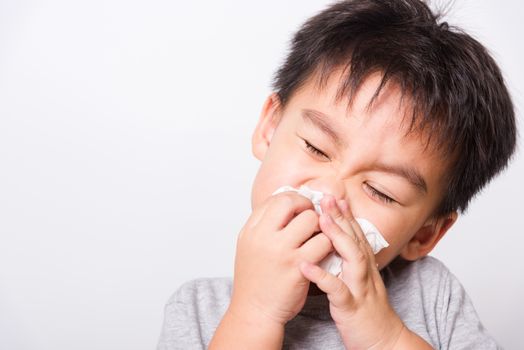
(378,195)
(315,150)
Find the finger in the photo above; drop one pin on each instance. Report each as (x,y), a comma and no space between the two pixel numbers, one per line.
(316,248)
(329,206)
(283,207)
(372,267)
(356,261)
(337,292)
(301,228)
(254,218)
(345,211)
(361,237)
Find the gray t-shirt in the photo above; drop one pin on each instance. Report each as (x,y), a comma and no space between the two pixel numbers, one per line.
(426,296)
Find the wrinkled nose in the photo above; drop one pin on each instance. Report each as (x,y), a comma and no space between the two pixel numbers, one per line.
(332,186)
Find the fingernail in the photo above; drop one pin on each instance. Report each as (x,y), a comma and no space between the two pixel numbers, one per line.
(342,204)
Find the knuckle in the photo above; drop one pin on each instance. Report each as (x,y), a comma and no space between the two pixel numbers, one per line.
(349,216)
(324,240)
(353,221)
(294,258)
(310,216)
(324,277)
(287,199)
(360,258)
(278,249)
(337,214)
(340,288)
(346,209)
(269,201)
(249,225)
(241,235)
(291,201)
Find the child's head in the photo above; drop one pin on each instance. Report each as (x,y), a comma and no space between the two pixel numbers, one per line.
(379,104)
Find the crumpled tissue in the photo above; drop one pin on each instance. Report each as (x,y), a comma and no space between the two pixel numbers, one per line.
(333,262)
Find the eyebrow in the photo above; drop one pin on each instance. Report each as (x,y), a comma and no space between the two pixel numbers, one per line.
(412,175)
(408,173)
(318,119)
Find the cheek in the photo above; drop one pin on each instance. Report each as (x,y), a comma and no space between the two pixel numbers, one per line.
(397,234)
(398,229)
(276,170)
(396,225)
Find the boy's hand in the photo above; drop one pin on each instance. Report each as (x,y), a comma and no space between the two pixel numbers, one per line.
(268,286)
(358,298)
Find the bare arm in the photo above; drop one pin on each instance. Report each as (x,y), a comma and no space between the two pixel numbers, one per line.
(409,340)
(268,288)
(247,331)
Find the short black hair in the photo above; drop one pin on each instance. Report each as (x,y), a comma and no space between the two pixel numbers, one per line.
(457,89)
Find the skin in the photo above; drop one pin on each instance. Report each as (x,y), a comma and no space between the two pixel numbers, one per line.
(280,243)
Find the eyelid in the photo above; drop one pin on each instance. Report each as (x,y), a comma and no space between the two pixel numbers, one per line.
(313,149)
(385,198)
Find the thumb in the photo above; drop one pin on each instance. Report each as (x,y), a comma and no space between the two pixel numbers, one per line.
(337,292)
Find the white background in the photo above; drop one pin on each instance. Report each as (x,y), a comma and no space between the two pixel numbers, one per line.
(121,125)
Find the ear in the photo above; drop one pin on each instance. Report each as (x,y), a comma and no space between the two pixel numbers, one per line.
(267,124)
(428,236)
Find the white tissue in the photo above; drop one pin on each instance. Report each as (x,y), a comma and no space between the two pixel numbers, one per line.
(333,262)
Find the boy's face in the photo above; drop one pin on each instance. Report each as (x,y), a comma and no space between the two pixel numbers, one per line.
(390,178)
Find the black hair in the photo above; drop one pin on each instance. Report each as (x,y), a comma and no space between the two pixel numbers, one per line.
(456,88)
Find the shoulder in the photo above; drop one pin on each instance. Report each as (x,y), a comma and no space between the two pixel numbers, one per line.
(202,291)
(433,303)
(417,292)
(193,312)
(425,266)
(426,279)
(425,273)
(432,272)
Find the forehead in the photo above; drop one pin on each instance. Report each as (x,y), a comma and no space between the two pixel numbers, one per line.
(380,123)
(372,102)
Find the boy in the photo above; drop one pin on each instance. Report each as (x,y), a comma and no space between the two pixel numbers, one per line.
(394,118)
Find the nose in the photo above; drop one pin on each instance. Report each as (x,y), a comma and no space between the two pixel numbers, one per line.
(328,185)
